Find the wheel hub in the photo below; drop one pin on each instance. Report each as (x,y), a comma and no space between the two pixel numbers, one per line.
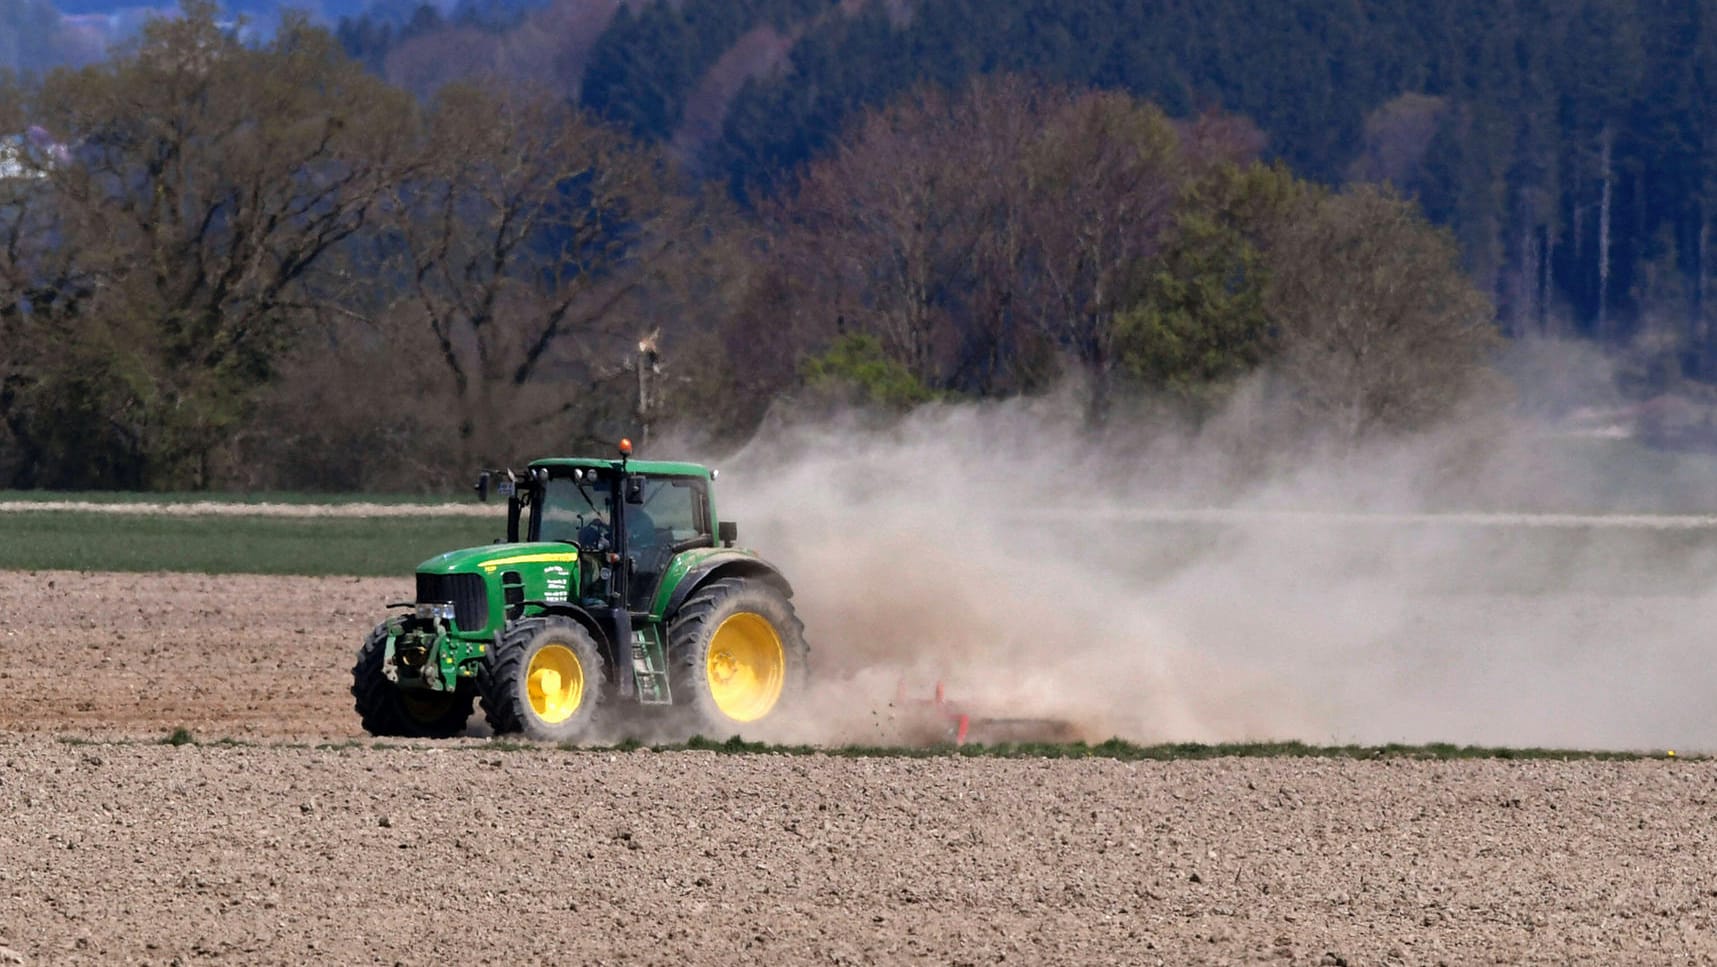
(746,668)
(554,683)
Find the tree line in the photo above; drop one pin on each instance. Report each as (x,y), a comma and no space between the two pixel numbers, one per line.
(262,265)
(1566,144)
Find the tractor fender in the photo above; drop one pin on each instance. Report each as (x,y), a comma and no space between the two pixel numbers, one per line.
(723,564)
(576,613)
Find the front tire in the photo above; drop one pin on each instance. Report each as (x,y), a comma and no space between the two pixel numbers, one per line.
(738,651)
(544,679)
(387,709)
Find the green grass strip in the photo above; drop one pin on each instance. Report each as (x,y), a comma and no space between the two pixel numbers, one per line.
(1114,749)
(212,497)
(358,546)
(1125,751)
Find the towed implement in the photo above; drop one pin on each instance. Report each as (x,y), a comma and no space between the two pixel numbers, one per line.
(617,587)
(939,721)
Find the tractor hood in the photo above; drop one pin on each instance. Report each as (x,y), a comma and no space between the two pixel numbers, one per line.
(490,558)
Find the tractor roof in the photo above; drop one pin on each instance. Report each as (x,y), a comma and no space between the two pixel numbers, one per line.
(653,468)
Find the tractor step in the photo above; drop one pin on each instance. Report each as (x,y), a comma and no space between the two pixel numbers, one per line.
(650,666)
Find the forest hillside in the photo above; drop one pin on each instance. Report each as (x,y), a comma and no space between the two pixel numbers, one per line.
(430,237)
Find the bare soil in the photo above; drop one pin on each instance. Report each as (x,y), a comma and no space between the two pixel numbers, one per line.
(293,845)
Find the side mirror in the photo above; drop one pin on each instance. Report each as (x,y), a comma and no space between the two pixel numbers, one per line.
(634,490)
(727,532)
(483,487)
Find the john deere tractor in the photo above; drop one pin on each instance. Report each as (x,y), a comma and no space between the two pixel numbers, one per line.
(617,586)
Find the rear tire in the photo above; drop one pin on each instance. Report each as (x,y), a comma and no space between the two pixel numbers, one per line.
(737,654)
(544,679)
(384,708)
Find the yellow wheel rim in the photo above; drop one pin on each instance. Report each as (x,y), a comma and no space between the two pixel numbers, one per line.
(747,667)
(555,683)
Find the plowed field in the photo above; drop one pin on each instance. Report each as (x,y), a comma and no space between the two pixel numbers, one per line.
(292,845)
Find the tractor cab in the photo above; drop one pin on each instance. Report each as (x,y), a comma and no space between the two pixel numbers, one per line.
(629,519)
(659,515)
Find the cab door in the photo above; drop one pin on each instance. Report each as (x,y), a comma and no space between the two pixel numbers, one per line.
(673,517)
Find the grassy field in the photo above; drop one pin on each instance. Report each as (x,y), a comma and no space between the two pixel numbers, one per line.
(360,546)
(201,497)
(1424,557)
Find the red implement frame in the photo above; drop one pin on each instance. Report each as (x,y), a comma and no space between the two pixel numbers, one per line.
(953,721)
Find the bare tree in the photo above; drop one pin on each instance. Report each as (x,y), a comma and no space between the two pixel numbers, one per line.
(914,231)
(984,237)
(1398,133)
(1379,327)
(1103,179)
(527,233)
(883,237)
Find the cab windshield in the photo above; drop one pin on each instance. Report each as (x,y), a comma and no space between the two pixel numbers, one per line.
(670,513)
(573,510)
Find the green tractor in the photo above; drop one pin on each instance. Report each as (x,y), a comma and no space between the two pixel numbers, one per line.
(617,586)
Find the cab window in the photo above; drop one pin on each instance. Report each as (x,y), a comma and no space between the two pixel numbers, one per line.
(677,509)
(568,509)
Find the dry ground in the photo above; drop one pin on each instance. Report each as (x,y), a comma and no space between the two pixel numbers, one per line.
(283,849)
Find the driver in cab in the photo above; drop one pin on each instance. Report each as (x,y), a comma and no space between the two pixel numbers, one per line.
(595,535)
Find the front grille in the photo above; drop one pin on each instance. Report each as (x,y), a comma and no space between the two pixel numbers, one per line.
(467,592)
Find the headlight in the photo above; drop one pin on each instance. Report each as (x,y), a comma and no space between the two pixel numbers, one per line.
(428,610)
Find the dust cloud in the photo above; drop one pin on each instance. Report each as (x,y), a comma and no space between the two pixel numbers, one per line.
(1494,584)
